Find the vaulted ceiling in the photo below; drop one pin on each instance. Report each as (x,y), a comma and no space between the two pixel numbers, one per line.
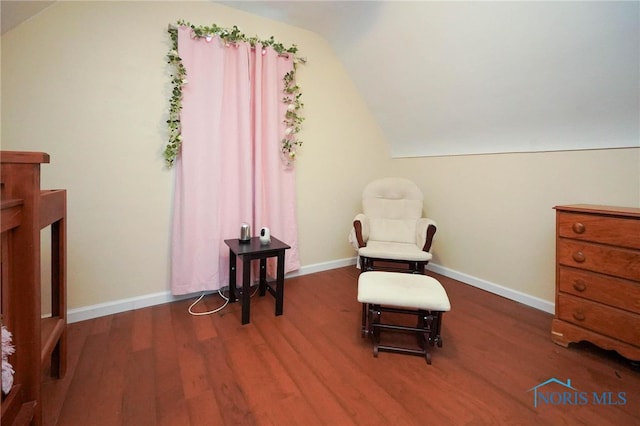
(13,13)
(450,77)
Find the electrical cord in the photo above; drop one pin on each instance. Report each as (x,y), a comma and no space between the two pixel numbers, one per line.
(226,302)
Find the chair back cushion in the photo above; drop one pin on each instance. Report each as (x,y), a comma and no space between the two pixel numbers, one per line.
(393,206)
(392,198)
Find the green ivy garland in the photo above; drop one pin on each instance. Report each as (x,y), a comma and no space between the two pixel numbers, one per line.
(293,118)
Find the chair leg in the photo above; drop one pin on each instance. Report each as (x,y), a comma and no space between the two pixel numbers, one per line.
(374,332)
(418,267)
(366,264)
(427,356)
(427,326)
(364,331)
(423,338)
(435,337)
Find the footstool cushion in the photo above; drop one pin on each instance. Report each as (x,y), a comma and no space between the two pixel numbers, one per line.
(405,290)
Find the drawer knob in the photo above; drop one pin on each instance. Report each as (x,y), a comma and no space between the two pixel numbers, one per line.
(579,257)
(579,285)
(579,315)
(578,228)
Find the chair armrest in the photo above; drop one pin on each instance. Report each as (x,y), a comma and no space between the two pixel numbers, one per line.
(360,231)
(425,230)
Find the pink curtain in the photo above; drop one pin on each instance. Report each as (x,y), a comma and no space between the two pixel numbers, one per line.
(230,169)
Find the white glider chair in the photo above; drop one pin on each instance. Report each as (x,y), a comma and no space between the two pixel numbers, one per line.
(391,228)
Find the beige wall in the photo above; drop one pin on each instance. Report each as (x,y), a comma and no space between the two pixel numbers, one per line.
(495,212)
(88,83)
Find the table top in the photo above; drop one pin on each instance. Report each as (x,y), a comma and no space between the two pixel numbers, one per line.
(254,246)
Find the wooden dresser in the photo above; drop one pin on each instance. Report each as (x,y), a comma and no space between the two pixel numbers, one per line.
(598,277)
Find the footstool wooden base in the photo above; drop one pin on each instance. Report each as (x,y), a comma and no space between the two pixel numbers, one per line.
(407,294)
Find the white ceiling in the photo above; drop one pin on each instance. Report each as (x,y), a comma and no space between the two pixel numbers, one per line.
(334,20)
(13,13)
(451,77)
(469,77)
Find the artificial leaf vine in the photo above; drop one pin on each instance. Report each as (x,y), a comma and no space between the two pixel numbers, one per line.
(292,96)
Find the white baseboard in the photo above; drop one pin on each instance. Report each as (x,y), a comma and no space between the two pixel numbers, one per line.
(122,305)
(515,295)
(130,304)
(323,266)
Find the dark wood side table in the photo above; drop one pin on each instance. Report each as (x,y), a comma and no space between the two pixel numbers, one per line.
(253,250)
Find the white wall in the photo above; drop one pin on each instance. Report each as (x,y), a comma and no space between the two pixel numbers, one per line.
(88,83)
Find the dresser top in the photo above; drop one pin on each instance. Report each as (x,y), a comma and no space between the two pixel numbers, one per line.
(601,210)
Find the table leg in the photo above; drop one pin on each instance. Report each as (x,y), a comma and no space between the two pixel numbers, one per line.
(232,276)
(246,289)
(263,277)
(280,284)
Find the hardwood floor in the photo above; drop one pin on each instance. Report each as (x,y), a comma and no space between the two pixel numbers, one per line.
(162,366)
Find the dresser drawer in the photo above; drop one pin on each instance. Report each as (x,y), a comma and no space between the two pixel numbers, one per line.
(611,291)
(618,262)
(616,323)
(601,229)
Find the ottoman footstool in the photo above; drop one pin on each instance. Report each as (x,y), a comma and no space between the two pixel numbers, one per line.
(409,294)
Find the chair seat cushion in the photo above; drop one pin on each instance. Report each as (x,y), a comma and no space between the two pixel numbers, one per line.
(402,290)
(393,251)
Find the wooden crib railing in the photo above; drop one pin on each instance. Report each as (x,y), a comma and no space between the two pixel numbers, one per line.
(40,343)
